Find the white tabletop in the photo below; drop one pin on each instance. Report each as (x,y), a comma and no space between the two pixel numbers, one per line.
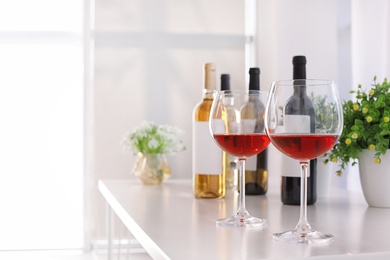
(171,224)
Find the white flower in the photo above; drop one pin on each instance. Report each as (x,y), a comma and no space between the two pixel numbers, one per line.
(153,143)
(148,137)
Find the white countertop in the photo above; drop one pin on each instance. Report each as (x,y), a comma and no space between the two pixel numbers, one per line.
(171,224)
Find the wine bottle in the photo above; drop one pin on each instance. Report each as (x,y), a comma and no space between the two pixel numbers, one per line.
(301,111)
(229,165)
(208,177)
(256,173)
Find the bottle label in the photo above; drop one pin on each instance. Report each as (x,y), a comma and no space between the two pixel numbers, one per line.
(296,124)
(248,126)
(207,155)
(251,163)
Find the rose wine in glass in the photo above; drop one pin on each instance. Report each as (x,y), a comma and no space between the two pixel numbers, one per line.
(240,131)
(295,136)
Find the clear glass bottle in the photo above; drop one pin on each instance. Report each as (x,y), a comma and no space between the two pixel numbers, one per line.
(208,177)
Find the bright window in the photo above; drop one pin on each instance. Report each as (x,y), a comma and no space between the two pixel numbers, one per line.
(41,111)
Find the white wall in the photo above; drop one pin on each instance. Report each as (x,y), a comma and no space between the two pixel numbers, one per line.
(371,41)
(148,65)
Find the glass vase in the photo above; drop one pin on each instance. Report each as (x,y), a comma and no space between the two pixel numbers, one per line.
(152,168)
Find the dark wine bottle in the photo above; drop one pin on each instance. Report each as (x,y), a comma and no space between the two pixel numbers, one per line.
(256,173)
(299,105)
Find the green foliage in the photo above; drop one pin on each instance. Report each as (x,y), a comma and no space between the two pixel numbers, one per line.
(151,138)
(366,125)
(324,112)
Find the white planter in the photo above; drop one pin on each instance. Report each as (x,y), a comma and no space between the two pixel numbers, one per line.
(324,177)
(375,179)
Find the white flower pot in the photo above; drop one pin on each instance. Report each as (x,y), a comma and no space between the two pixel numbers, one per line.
(375,179)
(324,177)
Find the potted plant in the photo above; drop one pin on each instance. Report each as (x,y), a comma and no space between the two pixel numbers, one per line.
(151,143)
(366,138)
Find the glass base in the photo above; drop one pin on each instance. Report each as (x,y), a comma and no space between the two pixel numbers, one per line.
(242,220)
(303,237)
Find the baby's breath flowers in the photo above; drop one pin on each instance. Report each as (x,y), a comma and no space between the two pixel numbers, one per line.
(151,138)
(366,125)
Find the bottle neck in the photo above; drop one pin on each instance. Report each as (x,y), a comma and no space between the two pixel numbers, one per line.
(254,79)
(299,67)
(209,77)
(299,87)
(254,82)
(300,90)
(299,71)
(209,81)
(225,82)
(208,94)
(299,76)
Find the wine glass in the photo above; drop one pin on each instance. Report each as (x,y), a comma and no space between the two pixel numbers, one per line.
(237,126)
(303,120)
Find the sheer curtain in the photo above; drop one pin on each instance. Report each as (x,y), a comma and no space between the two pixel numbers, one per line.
(41,111)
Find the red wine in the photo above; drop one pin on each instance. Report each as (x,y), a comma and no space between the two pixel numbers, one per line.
(304,146)
(241,145)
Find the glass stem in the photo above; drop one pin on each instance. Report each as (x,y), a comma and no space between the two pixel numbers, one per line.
(241,194)
(303,224)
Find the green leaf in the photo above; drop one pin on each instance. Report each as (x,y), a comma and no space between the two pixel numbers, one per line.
(376,132)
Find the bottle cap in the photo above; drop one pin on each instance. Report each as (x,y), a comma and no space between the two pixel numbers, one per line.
(225,82)
(299,59)
(254,79)
(209,76)
(299,67)
(209,66)
(254,71)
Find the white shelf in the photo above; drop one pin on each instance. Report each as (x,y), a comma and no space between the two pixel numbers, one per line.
(171,224)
